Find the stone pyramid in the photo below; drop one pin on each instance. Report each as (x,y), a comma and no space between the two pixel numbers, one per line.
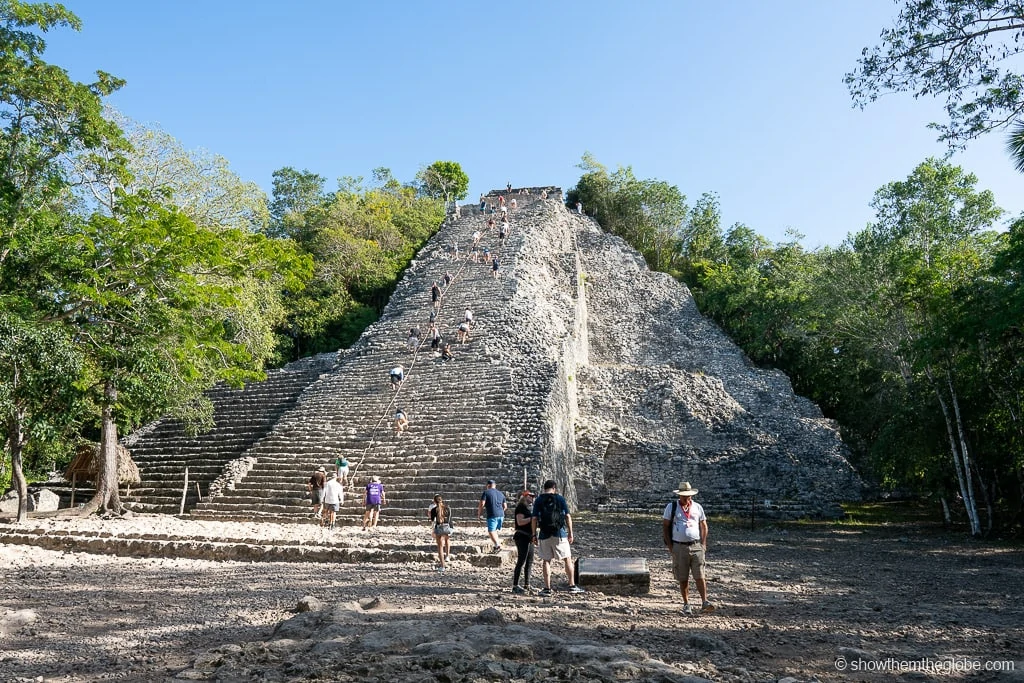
(582,366)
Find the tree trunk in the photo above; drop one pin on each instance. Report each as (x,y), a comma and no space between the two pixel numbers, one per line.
(965,456)
(961,460)
(107,495)
(16,438)
(947,518)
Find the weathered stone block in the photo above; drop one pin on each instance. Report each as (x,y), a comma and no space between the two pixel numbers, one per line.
(44,501)
(614,575)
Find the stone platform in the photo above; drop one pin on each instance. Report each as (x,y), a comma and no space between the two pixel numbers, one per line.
(614,575)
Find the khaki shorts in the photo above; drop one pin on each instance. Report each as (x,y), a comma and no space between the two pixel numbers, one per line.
(553,548)
(687,559)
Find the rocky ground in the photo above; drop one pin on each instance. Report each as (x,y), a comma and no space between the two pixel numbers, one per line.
(802,602)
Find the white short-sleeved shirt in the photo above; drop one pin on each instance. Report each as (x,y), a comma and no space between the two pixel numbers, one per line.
(686,525)
(334,493)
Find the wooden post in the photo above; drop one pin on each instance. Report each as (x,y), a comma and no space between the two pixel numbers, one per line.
(198,494)
(184,492)
(752,499)
(74,481)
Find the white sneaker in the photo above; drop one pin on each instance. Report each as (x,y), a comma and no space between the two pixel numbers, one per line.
(707,607)
(687,610)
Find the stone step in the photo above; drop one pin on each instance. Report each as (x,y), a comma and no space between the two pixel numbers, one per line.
(329,550)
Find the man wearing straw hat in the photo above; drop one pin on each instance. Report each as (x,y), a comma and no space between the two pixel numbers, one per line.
(685,529)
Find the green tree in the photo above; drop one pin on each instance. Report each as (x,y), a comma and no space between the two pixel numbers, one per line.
(38,399)
(295,193)
(46,117)
(145,291)
(1015,146)
(360,242)
(648,214)
(202,186)
(963,50)
(443,180)
(931,239)
(46,120)
(198,182)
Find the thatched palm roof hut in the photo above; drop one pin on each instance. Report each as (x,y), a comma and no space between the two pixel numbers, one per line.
(85,465)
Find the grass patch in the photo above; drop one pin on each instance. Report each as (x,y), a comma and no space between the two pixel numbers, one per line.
(890,512)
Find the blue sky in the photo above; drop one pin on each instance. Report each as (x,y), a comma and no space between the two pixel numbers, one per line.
(744,99)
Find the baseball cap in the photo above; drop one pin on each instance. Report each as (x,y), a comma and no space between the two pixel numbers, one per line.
(491,482)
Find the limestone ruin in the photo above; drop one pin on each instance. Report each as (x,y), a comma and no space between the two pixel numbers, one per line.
(582,366)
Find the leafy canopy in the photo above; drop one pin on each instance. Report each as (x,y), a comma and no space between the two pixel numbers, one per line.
(443,180)
(963,50)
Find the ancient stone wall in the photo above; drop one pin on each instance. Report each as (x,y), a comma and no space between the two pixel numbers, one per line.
(667,397)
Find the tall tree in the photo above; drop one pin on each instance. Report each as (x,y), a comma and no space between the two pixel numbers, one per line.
(38,367)
(963,50)
(649,214)
(146,291)
(198,182)
(46,116)
(443,180)
(295,193)
(930,239)
(45,119)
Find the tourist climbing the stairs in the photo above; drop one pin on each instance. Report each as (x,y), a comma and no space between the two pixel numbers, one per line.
(495,265)
(334,498)
(397,376)
(342,466)
(435,337)
(447,278)
(414,339)
(447,354)
(315,488)
(374,498)
(462,333)
(401,421)
(441,515)
(435,294)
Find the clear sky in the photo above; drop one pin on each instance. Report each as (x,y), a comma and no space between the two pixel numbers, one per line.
(743,98)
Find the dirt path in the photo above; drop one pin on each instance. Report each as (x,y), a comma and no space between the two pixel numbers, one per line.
(792,602)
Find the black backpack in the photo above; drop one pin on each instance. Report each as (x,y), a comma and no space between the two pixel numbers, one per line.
(549,513)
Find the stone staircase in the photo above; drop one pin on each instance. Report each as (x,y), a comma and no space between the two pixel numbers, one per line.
(163,450)
(465,415)
(583,366)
